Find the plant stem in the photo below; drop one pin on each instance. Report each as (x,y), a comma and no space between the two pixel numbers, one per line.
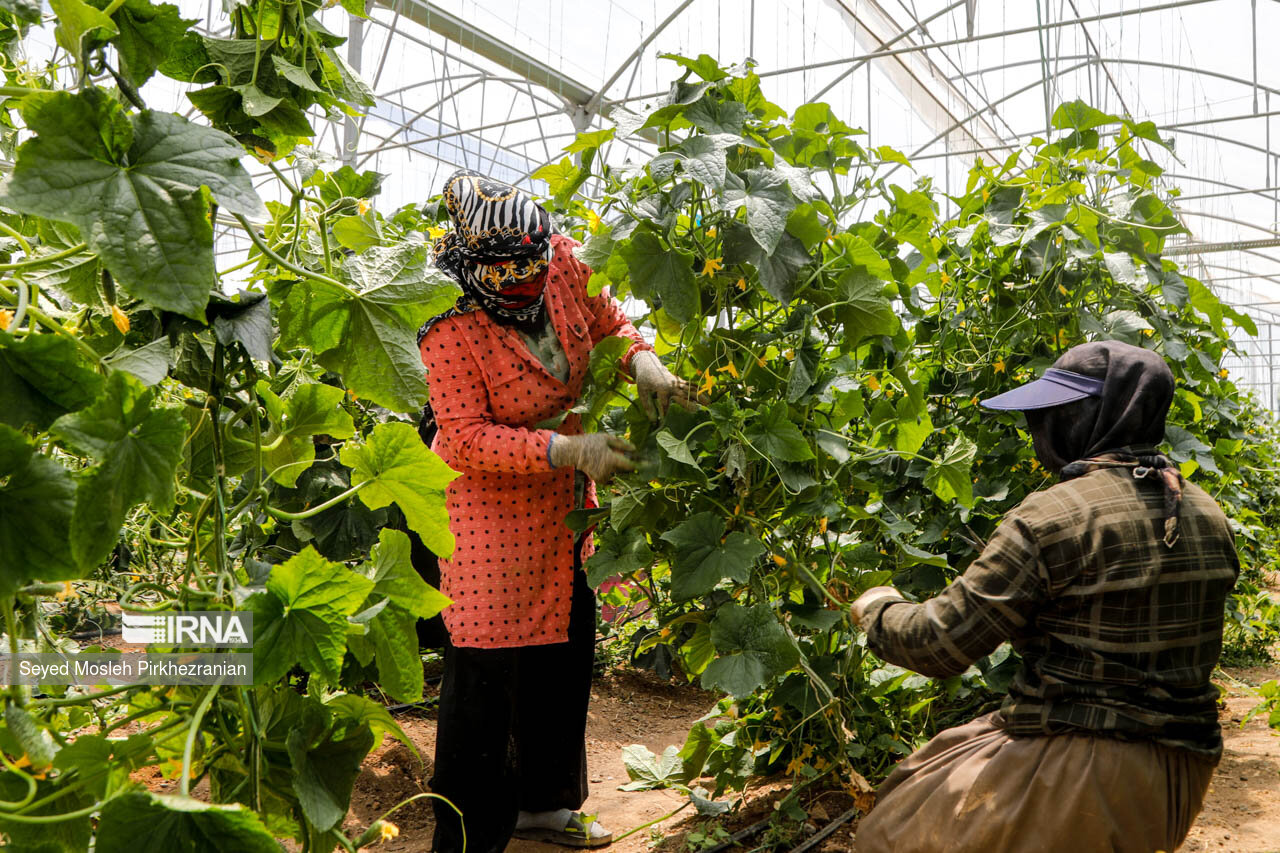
(53,325)
(47,259)
(315,510)
(80,700)
(290,266)
(191,735)
(645,826)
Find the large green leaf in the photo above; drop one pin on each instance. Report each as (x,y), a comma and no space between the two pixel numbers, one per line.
(949,476)
(137,448)
(393,630)
(325,772)
(367,332)
(133,187)
(618,553)
(144,822)
(41,378)
(76,19)
(36,501)
(312,409)
(663,273)
(302,617)
(399,468)
(775,436)
(700,158)
(865,311)
(147,33)
(753,646)
(767,197)
(777,270)
(27,11)
(245,320)
(705,555)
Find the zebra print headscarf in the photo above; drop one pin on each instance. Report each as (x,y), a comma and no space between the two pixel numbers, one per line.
(498,251)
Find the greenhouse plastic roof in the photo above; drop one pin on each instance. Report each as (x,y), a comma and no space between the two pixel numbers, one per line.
(503,85)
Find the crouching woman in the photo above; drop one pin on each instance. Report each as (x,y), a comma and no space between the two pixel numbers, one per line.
(1111,586)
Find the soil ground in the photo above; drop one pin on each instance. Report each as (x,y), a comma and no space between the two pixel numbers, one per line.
(1241,813)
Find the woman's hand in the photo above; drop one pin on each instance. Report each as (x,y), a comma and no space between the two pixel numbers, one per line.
(597,454)
(871,596)
(658,387)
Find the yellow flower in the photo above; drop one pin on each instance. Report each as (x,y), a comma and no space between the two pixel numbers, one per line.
(759,745)
(780,560)
(362,206)
(593,221)
(777,714)
(730,369)
(794,767)
(998,367)
(711,266)
(436,232)
(789,354)
(1062,338)
(6,317)
(822,524)
(742,284)
(708,381)
(760,361)
(1223,373)
(388,831)
(873,383)
(68,591)
(1148,332)
(985,195)
(946,279)
(986,297)
(351,395)
(711,232)
(263,155)
(973,401)
(1063,290)
(806,752)
(25,761)
(120,318)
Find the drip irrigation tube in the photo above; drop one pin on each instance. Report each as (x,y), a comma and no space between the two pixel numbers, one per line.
(821,834)
(739,836)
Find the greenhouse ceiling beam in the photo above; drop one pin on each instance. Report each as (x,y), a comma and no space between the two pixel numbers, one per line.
(437,20)
(1123,13)
(920,80)
(515,83)
(1220,218)
(1240,191)
(441,136)
(1229,246)
(1118,60)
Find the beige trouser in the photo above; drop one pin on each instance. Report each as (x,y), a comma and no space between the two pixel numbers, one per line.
(976,789)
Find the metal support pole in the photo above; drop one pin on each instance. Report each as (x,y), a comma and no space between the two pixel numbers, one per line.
(350,127)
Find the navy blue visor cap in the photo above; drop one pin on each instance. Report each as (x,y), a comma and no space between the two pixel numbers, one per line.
(1055,388)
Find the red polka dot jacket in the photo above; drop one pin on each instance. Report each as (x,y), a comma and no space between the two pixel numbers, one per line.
(511,574)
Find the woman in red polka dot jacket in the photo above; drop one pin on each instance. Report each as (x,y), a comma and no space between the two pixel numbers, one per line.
(505,365)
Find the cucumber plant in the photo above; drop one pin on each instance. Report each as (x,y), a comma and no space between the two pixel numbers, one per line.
(843,328)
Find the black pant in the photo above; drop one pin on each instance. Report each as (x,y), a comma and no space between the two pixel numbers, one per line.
(512,732)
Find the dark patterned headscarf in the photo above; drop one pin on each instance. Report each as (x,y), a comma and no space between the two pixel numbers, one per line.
(498,251)
(1118,429)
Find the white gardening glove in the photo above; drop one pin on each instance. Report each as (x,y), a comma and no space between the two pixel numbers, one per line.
(871,596)
(597,454)
(658,387)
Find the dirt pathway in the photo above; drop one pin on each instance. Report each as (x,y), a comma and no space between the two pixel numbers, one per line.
(1241,813)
